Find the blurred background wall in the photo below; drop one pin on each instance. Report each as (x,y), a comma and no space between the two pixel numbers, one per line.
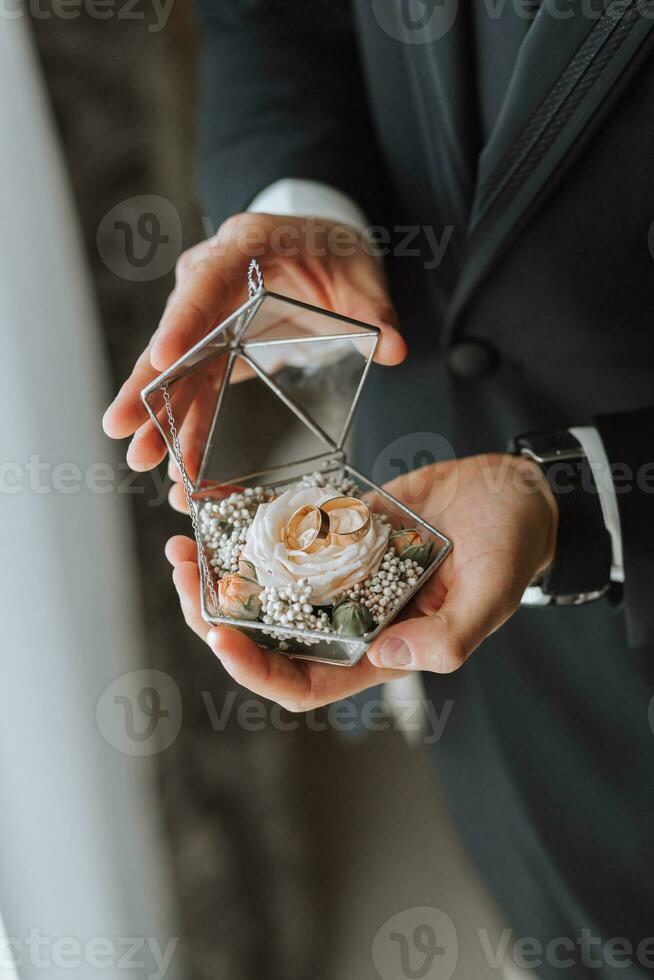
(123,96)
(82,860)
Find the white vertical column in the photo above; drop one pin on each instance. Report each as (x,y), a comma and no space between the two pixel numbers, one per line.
(80,849)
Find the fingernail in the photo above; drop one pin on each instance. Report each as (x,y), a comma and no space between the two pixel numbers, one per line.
(394,653)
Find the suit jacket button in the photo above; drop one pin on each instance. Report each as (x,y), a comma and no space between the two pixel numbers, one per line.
(471,359)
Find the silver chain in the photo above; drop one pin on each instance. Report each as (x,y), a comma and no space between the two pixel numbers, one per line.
(255,278)
(255,284)
(188,492)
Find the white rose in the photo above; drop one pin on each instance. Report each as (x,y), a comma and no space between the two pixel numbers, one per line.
(330,570)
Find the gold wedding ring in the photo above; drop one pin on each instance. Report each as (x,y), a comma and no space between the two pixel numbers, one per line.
(318,529)
(348,503)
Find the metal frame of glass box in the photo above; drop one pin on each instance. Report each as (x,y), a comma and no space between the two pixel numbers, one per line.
(237,340)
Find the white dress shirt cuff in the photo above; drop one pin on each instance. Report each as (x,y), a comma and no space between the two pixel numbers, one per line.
(593,447)
(309,198)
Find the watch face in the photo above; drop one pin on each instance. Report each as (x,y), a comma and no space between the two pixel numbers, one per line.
(549,445)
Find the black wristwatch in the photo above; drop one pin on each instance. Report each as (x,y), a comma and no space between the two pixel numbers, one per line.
(581,570)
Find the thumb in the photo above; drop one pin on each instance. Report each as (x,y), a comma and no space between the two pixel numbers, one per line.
(379,312)
(477,604)
(392,347)
(368,300)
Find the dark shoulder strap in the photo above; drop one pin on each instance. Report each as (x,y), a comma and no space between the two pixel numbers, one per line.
(563,101)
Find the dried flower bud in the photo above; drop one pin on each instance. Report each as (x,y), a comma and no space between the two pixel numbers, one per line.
(406,537)
(351,618)
(239,597)
(408,544)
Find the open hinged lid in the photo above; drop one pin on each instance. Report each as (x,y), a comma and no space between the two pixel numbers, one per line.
(272,388)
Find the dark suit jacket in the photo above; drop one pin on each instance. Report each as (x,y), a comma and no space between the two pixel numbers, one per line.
(549,273)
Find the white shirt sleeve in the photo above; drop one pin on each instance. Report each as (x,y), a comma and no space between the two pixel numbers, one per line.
(312,199)
(309,198)
(592,445)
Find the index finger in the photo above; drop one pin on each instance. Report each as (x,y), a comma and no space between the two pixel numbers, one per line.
(127,412)
(207,290)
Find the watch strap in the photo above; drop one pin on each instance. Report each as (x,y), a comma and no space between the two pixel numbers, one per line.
(582,562)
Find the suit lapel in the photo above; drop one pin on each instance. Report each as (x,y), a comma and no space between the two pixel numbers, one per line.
(548,47)
(567,77)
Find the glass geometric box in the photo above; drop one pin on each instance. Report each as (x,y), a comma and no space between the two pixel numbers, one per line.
(263,406)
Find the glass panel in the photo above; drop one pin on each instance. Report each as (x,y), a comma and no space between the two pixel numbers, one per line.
(273,386)
(282,319)
(320,378)
(222,336)
(255,431)
(194,398)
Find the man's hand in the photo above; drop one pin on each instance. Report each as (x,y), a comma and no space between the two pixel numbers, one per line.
(318,262)
(502,517)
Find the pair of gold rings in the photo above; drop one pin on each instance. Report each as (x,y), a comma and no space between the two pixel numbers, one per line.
(311,536)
